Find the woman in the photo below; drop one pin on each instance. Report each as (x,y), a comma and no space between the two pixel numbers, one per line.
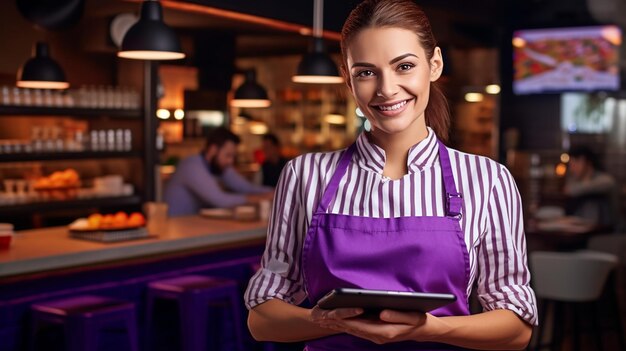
(395,211)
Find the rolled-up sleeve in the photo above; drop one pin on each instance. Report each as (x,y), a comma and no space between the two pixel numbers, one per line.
(504,278)
(279,276)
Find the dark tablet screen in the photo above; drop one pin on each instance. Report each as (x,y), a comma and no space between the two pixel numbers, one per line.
(384,299)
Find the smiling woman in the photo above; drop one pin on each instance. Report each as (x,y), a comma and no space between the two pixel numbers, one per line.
(396,211)
(390,85)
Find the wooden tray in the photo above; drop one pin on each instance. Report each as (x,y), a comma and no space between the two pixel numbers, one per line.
(110,229)
(112,235)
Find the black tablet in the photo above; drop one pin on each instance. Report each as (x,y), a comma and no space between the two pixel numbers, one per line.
(376,300)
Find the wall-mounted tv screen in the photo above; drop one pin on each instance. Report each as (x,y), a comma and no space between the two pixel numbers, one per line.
(566,59)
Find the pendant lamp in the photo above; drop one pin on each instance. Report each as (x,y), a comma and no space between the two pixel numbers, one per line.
(150,38)
(250,94)
(317,67)
(41,71)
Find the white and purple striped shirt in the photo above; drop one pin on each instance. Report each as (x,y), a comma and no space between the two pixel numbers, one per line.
(492,218)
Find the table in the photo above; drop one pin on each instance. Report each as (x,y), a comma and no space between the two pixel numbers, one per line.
(560,234)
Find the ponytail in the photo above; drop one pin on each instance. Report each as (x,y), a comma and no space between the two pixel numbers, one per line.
(438,113)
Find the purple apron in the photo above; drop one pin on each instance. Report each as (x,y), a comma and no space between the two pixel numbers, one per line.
(425,254)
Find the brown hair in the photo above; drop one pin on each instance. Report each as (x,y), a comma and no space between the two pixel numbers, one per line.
(403,14)
(219,136)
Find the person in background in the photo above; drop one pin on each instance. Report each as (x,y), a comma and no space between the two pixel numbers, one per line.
(592,193)
(274,161)
(397,210)
(199,180)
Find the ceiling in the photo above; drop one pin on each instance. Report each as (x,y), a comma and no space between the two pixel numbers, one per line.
(455,22)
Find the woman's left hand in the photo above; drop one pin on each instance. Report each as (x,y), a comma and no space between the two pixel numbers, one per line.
(391,326)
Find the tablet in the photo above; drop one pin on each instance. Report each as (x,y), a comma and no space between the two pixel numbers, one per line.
(376,300)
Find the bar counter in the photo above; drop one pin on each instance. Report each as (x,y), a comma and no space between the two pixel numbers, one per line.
(47,264)
(42,250)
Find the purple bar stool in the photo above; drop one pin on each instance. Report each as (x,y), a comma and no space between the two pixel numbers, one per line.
(83,318)
(194,293)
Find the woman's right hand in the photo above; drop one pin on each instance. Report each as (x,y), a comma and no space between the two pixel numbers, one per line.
(390,326)
(319,315)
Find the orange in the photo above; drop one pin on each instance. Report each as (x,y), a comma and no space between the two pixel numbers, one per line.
(94,220)
(107,221)
(136,219)
(120,219)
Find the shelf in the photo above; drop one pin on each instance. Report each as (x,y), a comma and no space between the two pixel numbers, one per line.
(70,204)
(25,111)
(54,156)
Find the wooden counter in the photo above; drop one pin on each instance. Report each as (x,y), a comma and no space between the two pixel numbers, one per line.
(41,250)
(46,264)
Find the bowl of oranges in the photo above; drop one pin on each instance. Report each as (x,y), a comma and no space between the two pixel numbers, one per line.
(60,185)
(109,222)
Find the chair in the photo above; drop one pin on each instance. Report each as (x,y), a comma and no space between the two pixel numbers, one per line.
(193,295)
(84,321)
(568,279)
(610,243)
(616,287)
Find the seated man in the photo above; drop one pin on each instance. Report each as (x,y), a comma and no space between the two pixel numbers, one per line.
(274,161)
(591,192)
(199,179)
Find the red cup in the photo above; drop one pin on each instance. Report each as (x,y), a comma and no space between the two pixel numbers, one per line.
(5,241)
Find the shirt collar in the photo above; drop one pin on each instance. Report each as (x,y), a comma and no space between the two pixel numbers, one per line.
(421,155)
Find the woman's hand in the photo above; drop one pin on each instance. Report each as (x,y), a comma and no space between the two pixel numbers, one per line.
(391,326)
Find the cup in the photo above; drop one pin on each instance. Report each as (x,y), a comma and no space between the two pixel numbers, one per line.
(264,209)
(6,235)
(156,216)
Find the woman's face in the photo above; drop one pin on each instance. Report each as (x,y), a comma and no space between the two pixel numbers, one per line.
(390,78)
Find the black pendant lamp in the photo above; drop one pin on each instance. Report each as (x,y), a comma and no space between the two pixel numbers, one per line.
(317,67)
(250,94)
(150,38)
(41,71)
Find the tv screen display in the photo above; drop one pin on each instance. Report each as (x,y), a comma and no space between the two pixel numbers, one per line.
(587,113)
(566,59)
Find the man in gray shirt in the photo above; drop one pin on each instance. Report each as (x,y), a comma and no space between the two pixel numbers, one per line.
(199,180)
(592,193)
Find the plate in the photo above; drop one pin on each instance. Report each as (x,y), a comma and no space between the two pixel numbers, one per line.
(568,224)
(219,213)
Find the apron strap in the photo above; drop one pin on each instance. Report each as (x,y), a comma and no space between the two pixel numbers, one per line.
(454,199)
(331,189)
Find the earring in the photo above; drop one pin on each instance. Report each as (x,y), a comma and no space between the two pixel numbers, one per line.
(359,112)
(367,126)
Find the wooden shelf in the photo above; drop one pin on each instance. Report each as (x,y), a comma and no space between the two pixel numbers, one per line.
(48,206)
(54,156)
(25,111)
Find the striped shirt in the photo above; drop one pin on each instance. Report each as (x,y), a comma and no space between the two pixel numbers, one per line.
(492,218)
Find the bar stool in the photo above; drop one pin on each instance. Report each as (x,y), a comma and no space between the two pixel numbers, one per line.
(194,294)
(84,319)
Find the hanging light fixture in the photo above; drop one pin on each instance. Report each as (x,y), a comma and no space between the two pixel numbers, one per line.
(250,94)
(317,67)
(41,71)
(150,38)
